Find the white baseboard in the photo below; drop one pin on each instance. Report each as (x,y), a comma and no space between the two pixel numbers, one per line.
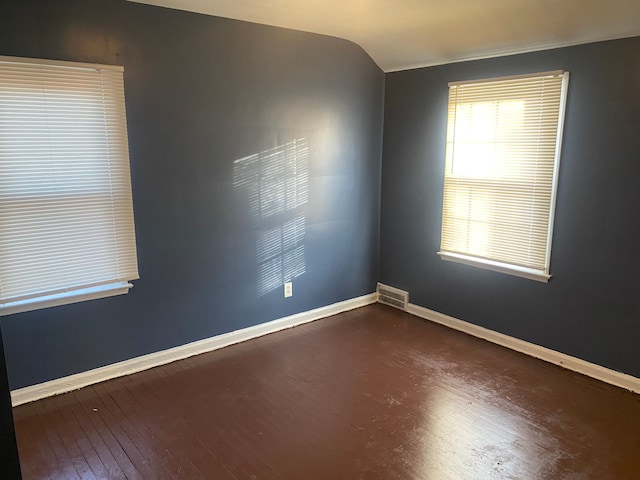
(571,363)
(127,367)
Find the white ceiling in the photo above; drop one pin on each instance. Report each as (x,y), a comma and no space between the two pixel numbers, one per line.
(403,34)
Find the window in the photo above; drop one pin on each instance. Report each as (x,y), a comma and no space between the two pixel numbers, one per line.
(66,212)
(501,168)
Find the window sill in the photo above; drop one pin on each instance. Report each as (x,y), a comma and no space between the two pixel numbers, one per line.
(517,271)
(64,298)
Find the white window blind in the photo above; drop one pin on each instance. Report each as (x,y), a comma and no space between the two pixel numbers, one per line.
(502,154)
(66,214)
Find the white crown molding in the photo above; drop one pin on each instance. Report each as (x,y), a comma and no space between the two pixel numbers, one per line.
(506,52)
(144,362)
(598,372)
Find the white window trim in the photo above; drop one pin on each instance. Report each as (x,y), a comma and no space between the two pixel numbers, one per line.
(507,268)
(554,190)
(486,264)
(62,63)
(65,298)
(70,295)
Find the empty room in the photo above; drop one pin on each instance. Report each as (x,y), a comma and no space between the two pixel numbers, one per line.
(251,239)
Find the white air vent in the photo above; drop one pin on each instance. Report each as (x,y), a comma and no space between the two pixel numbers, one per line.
(393,296)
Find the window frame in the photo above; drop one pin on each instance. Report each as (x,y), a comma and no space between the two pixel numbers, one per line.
(543,275)
(103,288)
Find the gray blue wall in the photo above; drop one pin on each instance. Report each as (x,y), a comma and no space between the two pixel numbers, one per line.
(207,101)
(9,461)
(591,307)
(206,96)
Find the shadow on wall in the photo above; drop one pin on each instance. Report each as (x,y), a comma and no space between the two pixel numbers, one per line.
(276,183)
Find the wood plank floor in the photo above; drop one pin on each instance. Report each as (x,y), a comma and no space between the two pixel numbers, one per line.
(369,394)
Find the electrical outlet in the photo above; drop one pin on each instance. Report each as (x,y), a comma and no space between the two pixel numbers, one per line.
(288,289)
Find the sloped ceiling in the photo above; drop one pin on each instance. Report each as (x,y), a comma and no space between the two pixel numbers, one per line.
(404,34)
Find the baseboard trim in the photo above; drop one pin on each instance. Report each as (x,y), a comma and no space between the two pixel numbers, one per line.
(598,372)
(144,362)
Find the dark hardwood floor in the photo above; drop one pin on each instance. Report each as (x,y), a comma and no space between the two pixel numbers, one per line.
(369,394)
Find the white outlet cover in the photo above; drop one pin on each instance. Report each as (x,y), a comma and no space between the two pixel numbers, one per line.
(288,289)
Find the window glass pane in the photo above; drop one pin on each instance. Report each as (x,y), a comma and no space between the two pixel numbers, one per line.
(500,168)
(66,211)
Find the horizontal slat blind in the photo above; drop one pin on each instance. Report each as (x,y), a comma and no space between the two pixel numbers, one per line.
(500,168)
(66,214)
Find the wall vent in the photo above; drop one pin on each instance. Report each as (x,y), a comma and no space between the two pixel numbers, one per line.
(392,296)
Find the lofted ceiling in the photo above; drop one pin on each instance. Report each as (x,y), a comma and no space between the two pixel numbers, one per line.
(403,34)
